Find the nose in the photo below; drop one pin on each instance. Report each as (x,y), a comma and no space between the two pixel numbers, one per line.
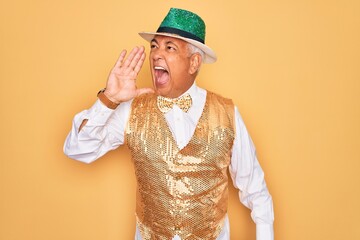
(156,54)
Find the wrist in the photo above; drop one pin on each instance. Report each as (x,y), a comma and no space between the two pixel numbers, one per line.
(107,101)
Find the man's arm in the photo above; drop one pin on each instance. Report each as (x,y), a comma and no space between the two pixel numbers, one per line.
(101,128)
(248,177)
(103,131)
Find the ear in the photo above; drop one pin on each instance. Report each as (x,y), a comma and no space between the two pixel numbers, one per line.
(195,63)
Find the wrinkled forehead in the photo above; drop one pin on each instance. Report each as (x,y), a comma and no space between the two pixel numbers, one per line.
(169,39)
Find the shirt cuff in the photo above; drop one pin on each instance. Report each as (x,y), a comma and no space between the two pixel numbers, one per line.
(264,232)
(98,113)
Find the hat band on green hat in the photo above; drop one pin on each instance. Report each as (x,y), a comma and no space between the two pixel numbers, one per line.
(180,33)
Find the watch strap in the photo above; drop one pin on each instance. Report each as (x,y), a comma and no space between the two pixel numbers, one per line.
(105,100)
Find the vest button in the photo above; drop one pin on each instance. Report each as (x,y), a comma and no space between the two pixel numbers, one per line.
(179,156)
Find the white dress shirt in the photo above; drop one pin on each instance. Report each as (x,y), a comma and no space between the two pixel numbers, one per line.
(105,131)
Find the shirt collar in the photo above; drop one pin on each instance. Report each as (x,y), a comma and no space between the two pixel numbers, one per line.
(198,96)
(192,91)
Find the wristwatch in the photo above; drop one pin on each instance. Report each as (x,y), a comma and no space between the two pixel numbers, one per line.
(107,102)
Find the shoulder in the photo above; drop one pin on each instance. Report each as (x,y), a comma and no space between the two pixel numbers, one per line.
(220,99)
(144,99)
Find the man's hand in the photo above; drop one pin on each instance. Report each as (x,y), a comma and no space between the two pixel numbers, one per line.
(121,84)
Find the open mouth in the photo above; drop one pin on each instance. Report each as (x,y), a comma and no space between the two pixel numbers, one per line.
(161,75)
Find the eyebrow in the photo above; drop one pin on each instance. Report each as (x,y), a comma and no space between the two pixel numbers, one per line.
(167,42)
(171,42)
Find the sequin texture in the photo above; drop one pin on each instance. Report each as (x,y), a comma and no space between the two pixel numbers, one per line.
(181,191)
(165,104)
(185,21)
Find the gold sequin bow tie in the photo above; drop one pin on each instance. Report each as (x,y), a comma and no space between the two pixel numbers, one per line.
(165,104)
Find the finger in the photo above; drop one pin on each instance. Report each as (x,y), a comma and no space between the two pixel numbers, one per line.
(120,59)
(138,60)
(137,57)
(139,64)
(130,57)
(141,91)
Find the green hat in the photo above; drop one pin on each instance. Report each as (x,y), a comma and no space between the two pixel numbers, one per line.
(184,25)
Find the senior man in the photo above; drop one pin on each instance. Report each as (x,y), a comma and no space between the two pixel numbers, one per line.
(182,138)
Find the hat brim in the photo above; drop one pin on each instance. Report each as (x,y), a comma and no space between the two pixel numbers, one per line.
(209,54)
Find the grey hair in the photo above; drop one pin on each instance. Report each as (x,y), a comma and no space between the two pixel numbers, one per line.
(193,49)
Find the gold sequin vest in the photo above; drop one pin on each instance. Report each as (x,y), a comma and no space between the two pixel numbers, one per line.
(181,191)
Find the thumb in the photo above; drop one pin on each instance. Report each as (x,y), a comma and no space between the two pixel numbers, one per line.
(141,91)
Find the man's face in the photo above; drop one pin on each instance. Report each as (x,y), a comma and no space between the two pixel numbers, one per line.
(170,64)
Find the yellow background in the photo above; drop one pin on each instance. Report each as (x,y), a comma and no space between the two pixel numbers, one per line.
(292,68)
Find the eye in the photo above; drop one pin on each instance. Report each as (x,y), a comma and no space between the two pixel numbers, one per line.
(153,45)
(171,48)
